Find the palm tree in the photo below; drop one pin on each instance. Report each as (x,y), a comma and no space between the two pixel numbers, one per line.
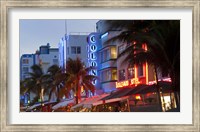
(36,83)
(78,77)
(56,79)
(163,41)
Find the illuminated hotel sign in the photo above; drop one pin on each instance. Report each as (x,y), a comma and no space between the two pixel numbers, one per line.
(133,81)
(92,55)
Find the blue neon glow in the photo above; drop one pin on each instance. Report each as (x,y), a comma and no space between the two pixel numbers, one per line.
(92,39)
(104,35)
(92,54)
(93,48)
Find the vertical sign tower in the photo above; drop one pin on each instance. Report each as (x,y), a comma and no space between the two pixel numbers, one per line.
(94,45)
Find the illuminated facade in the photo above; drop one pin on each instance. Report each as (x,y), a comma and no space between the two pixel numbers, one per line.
(130,76)
(113,73)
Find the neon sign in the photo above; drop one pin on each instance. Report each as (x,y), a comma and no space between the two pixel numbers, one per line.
(165,80)
(92,56)
(122,84)
(92,39)
(133,81)
(104,35)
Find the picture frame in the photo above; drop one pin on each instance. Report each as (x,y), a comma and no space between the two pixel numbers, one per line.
(4,62)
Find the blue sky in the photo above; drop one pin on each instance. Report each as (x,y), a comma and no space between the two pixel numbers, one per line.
(34,33)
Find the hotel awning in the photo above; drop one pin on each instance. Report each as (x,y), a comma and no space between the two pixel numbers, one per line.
(92,101)
(118,93)
(39,104)
(63,103)
(140,89)
(165,88)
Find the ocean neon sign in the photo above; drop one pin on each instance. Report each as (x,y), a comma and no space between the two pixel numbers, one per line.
(133,81)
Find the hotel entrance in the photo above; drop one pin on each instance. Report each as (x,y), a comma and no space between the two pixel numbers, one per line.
(168,101)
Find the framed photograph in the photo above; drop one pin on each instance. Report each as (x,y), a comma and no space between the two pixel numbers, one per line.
(143,98)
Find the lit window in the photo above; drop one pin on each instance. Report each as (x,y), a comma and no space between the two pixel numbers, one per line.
(108,53)
(114,74)
(122,75)
(108,75)
(131,73)
(113,53)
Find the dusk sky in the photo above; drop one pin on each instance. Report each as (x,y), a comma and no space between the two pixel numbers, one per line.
(34,33)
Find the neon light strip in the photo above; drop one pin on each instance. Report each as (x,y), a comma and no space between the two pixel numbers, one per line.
(104,35)
(147,74)
(166,80)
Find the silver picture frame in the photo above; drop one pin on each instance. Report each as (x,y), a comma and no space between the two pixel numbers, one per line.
(4,62)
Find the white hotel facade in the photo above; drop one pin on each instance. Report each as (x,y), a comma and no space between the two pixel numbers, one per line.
(45,57)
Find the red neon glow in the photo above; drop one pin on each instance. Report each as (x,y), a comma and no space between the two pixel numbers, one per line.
(122,84)
(147,74)
(133,81)
(167,79)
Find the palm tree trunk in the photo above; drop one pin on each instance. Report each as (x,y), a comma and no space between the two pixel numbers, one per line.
(50,94)
(158,90)
(58,95)
(42,98)
(77,89)
(77,94)
(176,94)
